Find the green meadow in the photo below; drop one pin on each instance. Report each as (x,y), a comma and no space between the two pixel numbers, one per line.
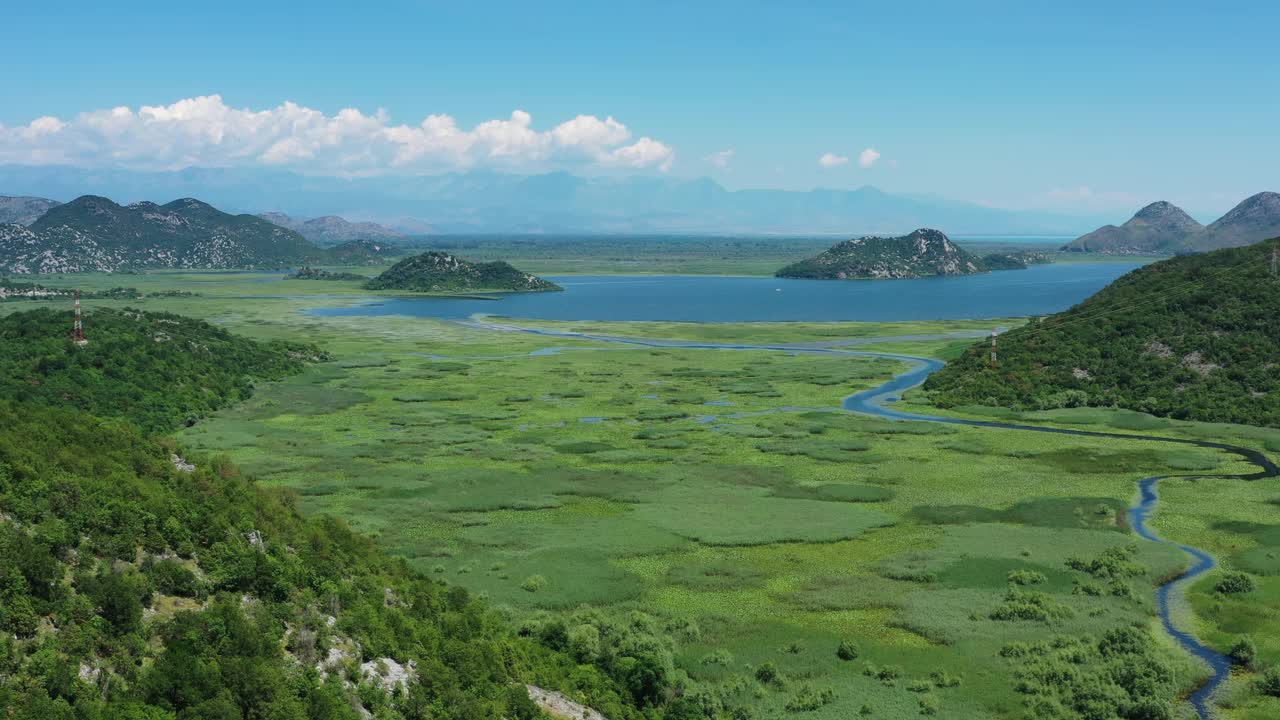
(810,562)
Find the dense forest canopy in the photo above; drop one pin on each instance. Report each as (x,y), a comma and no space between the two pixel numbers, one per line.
(1194,337)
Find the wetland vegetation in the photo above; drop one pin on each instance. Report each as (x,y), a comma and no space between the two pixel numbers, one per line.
(777,558)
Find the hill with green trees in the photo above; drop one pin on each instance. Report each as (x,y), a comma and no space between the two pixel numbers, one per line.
(155,369)
(1193,337)
(142,582)
(922,253)
(442,272)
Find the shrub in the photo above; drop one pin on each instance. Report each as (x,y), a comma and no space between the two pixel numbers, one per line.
(1269,684)
(169,577)
(1026,577)
(1243,652)
(533,583)
(808,699)
(847,651)
(767,673)
(1234,583)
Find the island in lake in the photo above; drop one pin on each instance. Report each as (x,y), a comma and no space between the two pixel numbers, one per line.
(433,272)
(922,253)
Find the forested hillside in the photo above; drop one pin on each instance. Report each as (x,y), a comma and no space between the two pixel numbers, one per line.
(1194,337)
(140,582)
(155,369)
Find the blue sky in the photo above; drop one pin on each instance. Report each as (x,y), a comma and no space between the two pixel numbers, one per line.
(1079,106)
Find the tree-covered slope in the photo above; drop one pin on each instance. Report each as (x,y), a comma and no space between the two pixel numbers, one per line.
(442,272)
(1194,337)
(155,369)
(133,588)
(139,584)
(922,253)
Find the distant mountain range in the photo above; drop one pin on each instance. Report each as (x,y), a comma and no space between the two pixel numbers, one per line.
(1163,227)
(484,202)
(922,253)
(331,229)
(23,210)
(93,233)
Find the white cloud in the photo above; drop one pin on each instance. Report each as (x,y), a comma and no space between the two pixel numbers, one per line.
(868,157)
(205,131)
(721,159)
(830,160)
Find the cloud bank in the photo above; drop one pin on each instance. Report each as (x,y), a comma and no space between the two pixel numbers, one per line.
(868,157)
(204,131)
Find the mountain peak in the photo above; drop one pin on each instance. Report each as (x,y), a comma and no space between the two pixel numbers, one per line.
(1163,214)
(1262,206)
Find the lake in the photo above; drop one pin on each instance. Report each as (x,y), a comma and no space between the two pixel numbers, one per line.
(1038,290)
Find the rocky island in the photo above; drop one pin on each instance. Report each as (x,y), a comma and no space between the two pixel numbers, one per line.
(439,272)
(923,253)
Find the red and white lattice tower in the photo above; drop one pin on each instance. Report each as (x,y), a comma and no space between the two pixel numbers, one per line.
(77,330)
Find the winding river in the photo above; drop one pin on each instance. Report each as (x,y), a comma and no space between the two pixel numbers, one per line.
(877,402)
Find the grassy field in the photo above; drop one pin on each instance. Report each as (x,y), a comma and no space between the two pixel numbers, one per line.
(716,495)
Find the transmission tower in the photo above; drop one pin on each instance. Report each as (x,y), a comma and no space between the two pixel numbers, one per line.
(77,329)
(993,348)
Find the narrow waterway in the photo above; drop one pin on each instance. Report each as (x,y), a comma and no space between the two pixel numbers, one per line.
(878,402)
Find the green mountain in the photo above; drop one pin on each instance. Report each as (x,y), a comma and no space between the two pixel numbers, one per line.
(140,584)
(922,253)
(95,234)
(442,272)
(1193,337)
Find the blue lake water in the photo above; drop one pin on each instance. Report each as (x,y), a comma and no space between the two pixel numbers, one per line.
(1038,290)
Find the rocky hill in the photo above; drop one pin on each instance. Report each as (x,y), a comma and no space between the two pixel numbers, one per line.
(922,253)
(95,234)
(1192,337)
(23,210)
(442,272)
(1155,228)
(1254,219)
(331,229)
(1164,228)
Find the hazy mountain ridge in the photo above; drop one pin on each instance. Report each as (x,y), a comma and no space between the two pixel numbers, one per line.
(331,229)
(922,253)
(483,201)
(22,210)
(1163,227)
